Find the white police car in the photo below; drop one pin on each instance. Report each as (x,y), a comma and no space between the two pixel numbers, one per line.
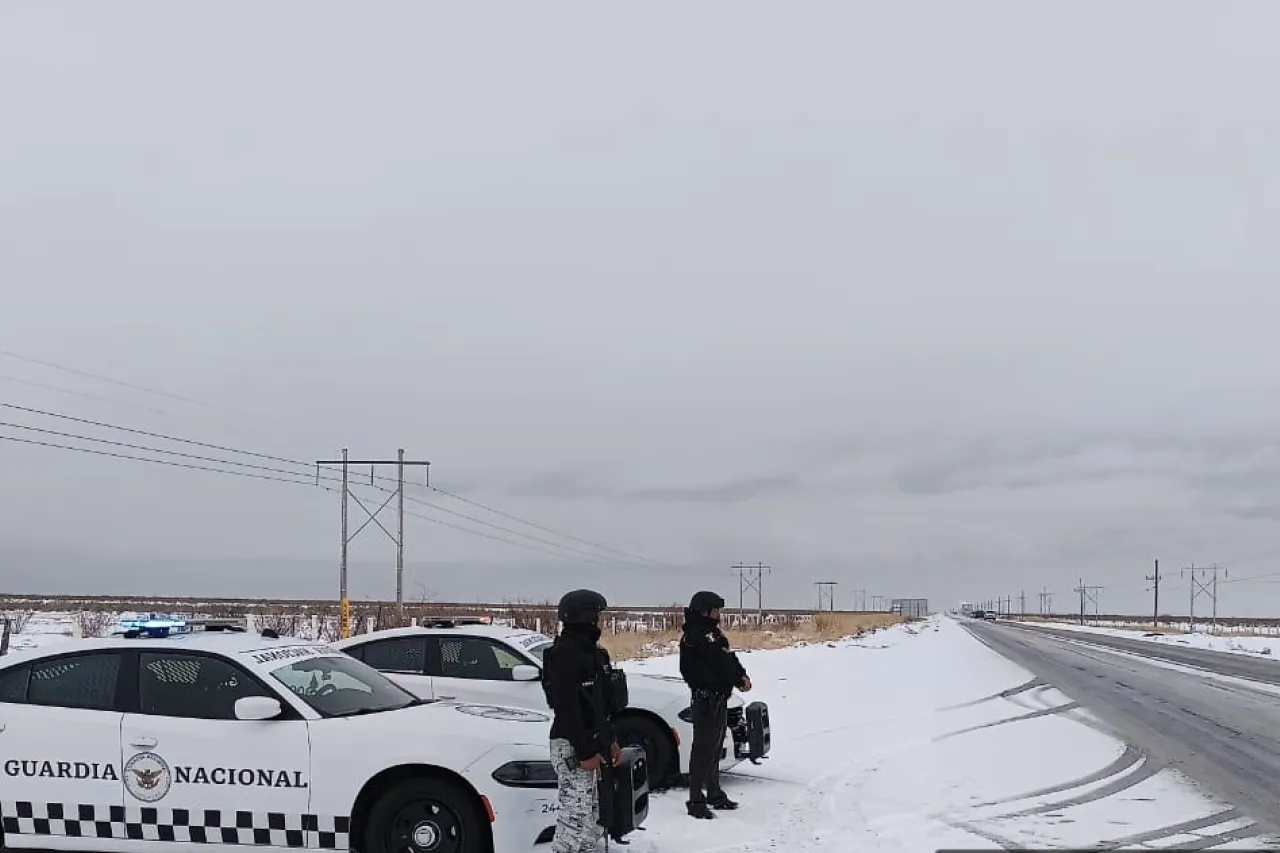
(231,738)
(476,662)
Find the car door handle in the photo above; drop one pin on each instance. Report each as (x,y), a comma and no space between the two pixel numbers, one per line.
(143,742)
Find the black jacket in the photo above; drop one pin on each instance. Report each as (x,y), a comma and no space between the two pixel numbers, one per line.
(577,690)
(706,662)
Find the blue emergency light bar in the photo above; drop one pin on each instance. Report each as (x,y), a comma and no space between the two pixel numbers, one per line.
(153,625)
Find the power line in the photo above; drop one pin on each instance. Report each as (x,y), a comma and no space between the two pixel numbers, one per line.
(153,461)
(47,387)
(287,461)
(310,481)
(133,386)
(128,446)
(544,528)
(136,387)
(159,435)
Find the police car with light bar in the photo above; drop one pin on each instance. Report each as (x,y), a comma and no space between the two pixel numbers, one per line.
(166,734)
(470,661)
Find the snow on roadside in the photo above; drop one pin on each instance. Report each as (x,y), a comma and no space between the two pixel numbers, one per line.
(899,741)
(1239,645)
(42,629)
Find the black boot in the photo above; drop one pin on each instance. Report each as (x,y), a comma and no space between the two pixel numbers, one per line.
(722,803)
(700,811)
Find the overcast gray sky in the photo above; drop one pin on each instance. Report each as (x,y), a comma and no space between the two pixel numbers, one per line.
(943,300)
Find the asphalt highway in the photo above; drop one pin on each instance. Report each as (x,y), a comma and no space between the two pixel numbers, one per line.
(1224,735)
(1258,668)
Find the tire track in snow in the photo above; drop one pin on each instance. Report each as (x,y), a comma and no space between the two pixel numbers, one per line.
(1128,759)
(1186,827)
(1030,715)
(1145,771)
(1003,694)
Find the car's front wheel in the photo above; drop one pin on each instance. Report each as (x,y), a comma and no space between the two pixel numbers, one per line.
(425,815)
(635,730)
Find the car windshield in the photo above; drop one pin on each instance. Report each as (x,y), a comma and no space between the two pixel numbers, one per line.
(539,650)
(341,686)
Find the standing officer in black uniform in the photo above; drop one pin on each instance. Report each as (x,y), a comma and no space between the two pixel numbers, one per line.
(576,681)
(712,671)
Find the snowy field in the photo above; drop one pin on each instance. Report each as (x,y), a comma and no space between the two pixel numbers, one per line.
(1240,645)
(901,741)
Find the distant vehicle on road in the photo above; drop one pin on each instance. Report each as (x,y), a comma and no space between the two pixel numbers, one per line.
(989,616)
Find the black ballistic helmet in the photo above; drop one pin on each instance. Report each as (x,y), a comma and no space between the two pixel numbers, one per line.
(581,607)
(705,602)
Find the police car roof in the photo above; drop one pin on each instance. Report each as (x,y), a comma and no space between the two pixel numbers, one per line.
(219,642)
(497,632)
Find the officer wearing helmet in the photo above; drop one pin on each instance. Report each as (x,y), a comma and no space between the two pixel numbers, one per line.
(712,671)
(576,681)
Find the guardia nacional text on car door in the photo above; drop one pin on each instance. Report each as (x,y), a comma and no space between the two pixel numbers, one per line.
(235,739)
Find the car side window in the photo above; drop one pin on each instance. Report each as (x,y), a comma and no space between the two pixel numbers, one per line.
(475,657)
(199,687)
(402,654)
(86,682)
(13,684)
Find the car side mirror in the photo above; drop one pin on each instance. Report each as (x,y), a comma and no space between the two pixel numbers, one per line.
(258,708)
(525,672)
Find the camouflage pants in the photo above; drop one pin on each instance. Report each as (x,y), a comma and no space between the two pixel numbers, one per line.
(578,816)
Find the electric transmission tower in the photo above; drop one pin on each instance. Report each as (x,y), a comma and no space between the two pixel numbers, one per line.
(826,592)
(1200,587)
(1087,594)
(751,577)
(1046,601)
(398,537)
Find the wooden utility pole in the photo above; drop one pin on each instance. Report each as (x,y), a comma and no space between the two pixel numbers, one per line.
(1154,577)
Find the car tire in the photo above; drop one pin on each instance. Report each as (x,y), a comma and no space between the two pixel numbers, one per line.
(635,730)
(425,815)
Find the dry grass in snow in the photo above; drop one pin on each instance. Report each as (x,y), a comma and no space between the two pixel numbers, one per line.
(823,627)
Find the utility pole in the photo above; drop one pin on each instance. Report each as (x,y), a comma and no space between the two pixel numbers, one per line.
(1154,577)
(1022,604)
(1046,601)
(826,591)
(877,602)
(1200,587)
(398,538)
(860,600)
(751,577)
(1087,593)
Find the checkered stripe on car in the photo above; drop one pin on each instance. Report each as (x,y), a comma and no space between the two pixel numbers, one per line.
(186,826)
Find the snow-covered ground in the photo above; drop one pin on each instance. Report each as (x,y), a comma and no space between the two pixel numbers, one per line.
(1237,644)
(41,629)
(901,741)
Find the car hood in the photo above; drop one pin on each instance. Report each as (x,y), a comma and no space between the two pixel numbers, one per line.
(495,723)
